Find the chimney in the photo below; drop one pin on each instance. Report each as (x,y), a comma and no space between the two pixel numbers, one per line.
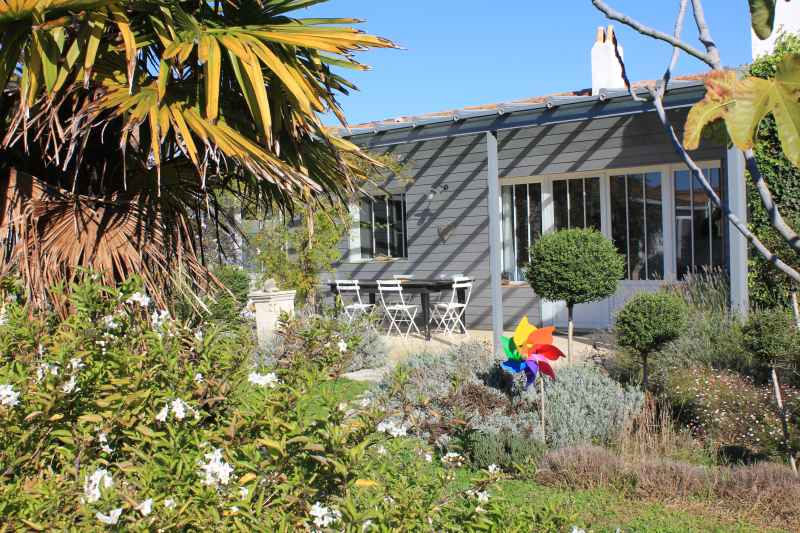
(606,68)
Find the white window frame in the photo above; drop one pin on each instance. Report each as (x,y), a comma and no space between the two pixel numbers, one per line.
(667,197)
(354,237)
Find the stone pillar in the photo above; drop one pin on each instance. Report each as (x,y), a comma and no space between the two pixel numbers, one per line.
(269,305)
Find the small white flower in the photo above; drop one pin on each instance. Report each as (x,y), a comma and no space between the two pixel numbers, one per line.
(199,334)
(264,380)
(70,385)
(159,318)
(75,364)
(198,378)
(169,503)
(576,529)
(103,439)
(365,402)
(381,450)
(179,409)
(8,396)
(392,428)
(234,509)
(452,458)
(243,492)
(324,516)
(493,468)
(100,479)
(367,525)
(216,470)
(428,458)
(111,518)
(342,346)
(45,368)
(479,509)
(109,322)
(482,496)
(146,507)
(139,298)
(163,413)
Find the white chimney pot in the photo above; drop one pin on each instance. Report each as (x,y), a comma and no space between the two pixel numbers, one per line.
(606,68)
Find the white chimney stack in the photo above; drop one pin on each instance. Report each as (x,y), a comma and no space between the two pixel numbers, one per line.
(606,68)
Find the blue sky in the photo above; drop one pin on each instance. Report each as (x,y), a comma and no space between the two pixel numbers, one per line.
(467,52)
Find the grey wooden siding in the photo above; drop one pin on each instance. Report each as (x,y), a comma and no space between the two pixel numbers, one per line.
(460,162)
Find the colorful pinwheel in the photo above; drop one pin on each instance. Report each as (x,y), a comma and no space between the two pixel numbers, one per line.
(530,350)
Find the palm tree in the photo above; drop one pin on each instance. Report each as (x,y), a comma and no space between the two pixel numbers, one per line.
(124,121)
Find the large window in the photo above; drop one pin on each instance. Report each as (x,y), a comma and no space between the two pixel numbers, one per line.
(576,203)
(698,223)
(382,227)
(522,225)
(637,225)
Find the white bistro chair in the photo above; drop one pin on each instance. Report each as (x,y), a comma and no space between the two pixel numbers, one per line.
(394,305)
(348,288)
(450,315)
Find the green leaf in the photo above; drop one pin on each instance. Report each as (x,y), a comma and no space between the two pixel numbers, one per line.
(752,102)
(786,108)
(762,16)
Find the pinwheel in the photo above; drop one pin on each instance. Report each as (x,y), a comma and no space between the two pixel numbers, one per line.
(530,350)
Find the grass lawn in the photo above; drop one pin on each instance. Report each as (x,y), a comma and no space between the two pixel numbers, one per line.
(398,466)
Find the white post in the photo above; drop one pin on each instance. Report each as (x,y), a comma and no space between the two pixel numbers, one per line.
(737,201)
(269,306)
(495,248)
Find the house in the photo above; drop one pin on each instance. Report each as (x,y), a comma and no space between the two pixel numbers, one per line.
(487,181)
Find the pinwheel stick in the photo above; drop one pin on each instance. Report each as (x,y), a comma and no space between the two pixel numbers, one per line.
(541,401)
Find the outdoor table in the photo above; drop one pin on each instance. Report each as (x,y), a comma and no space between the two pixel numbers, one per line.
(423,287)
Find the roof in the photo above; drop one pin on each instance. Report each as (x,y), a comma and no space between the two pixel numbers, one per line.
(548,101)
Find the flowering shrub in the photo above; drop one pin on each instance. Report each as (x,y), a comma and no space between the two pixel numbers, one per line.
(731,413)
(120,416)
(329,340)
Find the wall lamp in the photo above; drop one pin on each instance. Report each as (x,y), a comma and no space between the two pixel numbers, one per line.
(436,189)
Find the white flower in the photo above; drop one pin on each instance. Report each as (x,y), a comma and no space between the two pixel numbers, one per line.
(264,380)
(493,468)
(109,322)
(365,402)
(483,496)
(159,318)
(179,408)
(576,529)
(342,346)
(76,364)
(198,378)
(324,516)
(452,458)
(139,298)
(392,428)
(162,414)
(217,472)
(243,492)
(169,503)
(103,439)
(3,316)
(146,507)
(428,457)
(45,368)
(381,450)
(199,334)
(111,518)
(91,487)
(70,385)
(8,396)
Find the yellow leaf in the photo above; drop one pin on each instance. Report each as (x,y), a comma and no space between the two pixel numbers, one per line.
(247,478)
(128,39)
(366,483)
(719,95)
(212,68)
(97,419)
(751,103)
(56,417)
(786,108)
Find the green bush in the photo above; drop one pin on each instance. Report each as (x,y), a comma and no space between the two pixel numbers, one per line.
(506,450)
(575,266)
(772,337)
(584,405)
(120,414)
(647,321)
(227,304)
(767,285)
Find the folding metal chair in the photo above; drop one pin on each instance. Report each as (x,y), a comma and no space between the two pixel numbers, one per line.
(351,288)
(394,305)
(450,315)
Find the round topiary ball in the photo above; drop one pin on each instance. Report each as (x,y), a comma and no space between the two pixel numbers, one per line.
(574,266)
(650,319)
(772,336)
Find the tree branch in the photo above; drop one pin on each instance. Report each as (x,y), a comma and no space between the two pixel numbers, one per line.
(775,217)
(650,32)
(705,34)
(698,173)
(676,52)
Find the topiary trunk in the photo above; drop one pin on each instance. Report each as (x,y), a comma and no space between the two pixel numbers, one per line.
(570,326)
(644,371)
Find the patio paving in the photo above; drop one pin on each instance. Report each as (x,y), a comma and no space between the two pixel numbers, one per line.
(585,346)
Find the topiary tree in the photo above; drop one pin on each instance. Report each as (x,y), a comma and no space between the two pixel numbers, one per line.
(649,320)
(574,266)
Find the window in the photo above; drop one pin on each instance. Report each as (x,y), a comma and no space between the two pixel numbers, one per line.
(698,223)
(637,224)
(576,203)
(382,226)
(522,225)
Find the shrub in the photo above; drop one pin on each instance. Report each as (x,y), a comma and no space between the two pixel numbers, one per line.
(585,406)
(507,450)
(647,321)
(227,304)
(772,336)
(117,408)
(575,266)
(732,414)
